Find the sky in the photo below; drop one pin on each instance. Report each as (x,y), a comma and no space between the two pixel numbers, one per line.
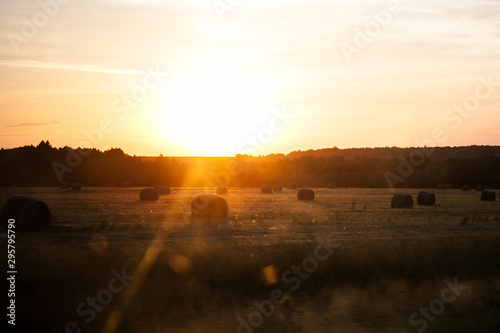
(218,78)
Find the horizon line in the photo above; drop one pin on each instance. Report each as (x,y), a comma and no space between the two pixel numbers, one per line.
(274,153)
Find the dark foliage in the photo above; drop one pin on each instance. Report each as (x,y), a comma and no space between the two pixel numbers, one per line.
(366,167)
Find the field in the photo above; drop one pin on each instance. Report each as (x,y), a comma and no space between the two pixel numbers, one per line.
(382,264)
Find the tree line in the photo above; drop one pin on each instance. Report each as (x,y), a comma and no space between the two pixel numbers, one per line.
(45,165)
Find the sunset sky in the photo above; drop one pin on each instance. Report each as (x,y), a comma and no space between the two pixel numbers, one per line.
(202,77)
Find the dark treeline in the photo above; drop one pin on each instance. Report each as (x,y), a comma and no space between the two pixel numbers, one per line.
(437,153)
(44,165)
(47,166)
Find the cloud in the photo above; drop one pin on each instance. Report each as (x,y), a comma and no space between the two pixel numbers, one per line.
(23,134)
(33,124)
(83,68)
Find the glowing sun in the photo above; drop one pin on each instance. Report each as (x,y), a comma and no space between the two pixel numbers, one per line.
(210,113)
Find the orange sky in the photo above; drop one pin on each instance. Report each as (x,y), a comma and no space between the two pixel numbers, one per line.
(207,78)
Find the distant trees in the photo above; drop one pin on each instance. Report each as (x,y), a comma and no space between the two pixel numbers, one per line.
(32,166)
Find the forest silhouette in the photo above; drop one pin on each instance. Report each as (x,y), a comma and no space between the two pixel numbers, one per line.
(45,165)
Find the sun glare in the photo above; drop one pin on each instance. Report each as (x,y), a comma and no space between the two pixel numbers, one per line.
(210,113)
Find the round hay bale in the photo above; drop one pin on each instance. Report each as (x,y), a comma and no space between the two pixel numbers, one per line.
(488,196)
(402,201)
(305,194)
(126,184)
(277,188)
(76,186)
(149,194)
(426,198)
(112,185)
(466,188)
(479,188)
(29,214)
(292,186)
(221,190)
(267,189)
(209,206)
(65,185)
(162,190)
(330,185)
(486,188)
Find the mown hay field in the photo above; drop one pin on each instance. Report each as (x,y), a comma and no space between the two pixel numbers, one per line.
(343,211)
(385,265)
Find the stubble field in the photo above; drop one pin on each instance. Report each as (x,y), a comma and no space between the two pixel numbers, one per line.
(382,264)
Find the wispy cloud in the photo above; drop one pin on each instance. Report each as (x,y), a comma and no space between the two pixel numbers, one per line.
(23,135)
(33,124)
(82,68)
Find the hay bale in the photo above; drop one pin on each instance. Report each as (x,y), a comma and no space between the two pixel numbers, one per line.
(466,188)
(208,210)
(65,185)
(162,190)
(305,194)
(267,189)
(426,198)
(292,186)
(221,190)
(126,184)
(402,201)
(330,185)
(29,214)
(486,188)
(149,194)
(277,188)
(479,188)
(76,186)
(488,196)
(112,185)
